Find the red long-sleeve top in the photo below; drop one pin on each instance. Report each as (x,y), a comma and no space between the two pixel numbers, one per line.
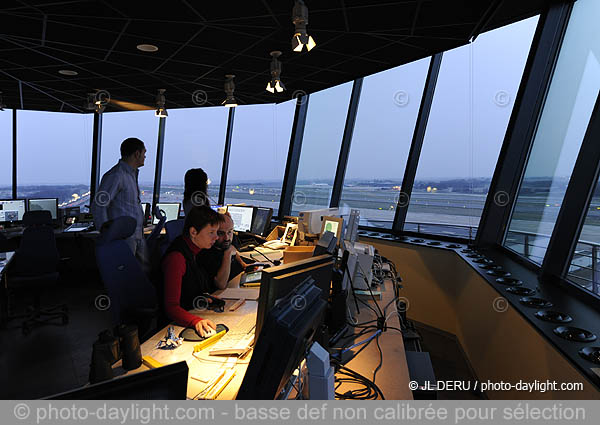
(174,268)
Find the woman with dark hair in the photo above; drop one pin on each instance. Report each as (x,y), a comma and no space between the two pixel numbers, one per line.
(195,189)
(185,280)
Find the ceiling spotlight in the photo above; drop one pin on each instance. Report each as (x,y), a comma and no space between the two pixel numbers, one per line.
(161,111)
(275,84)
(300,20)
(68,72)
(147,47)
(2,105)
(230,101)
(95,102)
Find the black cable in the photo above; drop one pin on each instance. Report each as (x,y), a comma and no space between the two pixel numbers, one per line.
(354,336)
(370,391)
(359,325)
(356,299)
(352,287)
(371,292)
(361,333)
(364,346)
(380,358)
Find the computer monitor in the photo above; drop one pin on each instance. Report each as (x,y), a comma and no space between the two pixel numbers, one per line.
(167,382)
(71,211)
(11,210)
(70,215)
(46,204)
(283,342)
(261,222)
(276,282)
(333,225)
(170,209)
(327,244)
(241,216)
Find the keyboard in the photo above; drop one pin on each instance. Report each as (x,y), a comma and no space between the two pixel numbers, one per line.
(275,244)
(78,227)
(238,340)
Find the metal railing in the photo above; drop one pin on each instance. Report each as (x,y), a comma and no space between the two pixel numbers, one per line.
(584,269)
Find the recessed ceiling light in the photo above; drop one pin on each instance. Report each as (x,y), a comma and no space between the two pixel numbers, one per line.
(68,72)
(147,47)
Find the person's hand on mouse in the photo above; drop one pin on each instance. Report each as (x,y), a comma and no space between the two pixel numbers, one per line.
(204,326)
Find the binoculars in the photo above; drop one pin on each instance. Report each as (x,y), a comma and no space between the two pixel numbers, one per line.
(109,348)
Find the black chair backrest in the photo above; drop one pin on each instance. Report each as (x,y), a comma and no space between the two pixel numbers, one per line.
(37,218)
(37,253)
(4,245)
(174,228)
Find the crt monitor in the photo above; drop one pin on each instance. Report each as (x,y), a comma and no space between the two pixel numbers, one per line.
(167,382)
(241,216)
(276,282)
(11,210)
(261,221)
(48,204)
(170,209)
(283,342)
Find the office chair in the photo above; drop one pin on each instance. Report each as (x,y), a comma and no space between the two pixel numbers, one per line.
(3,243)
(132,295)
(174,228)
(34,269)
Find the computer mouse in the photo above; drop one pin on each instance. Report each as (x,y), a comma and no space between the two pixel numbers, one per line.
(190,334)
(251,246)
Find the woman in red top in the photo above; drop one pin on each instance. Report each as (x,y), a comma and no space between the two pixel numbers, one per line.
(185,280)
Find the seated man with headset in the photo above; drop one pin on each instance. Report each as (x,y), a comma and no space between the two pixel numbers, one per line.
(222,262)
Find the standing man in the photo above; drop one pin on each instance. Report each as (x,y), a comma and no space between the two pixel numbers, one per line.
(222,261)
(119,194)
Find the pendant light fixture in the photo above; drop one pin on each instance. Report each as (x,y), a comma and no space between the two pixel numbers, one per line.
(230,101)
(161,111)
(275,85)
(300,20)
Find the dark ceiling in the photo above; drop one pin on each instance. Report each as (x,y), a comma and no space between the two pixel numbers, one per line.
(201,41)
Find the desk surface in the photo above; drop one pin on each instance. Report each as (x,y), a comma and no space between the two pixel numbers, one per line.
(202,366)
(392,378)
(60,232)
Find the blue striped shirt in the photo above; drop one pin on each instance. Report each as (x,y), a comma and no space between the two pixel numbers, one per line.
(119,195)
